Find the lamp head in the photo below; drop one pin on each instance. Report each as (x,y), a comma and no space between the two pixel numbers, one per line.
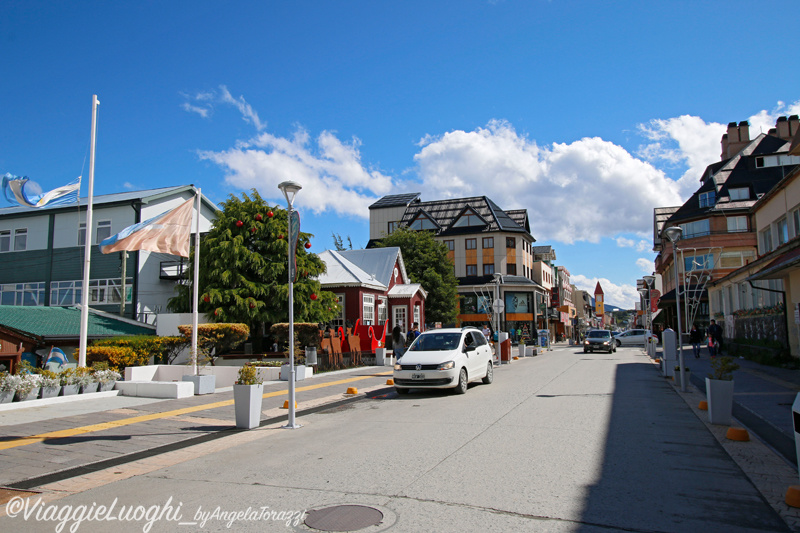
(649,280)
(643,292)
(674,233)
(289,190)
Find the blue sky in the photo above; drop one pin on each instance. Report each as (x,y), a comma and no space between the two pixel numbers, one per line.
(588,114)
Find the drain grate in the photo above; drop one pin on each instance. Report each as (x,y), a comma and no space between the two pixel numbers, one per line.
(343,518)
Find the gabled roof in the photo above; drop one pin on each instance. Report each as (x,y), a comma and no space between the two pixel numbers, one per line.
(446,212)
(396,200)
(65,322)
(545,252)
(145,197)
(340,272)
(378,262)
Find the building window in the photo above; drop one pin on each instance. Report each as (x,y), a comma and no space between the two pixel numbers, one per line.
(737,224)
(795,219)
(471,244)
(101,292)
(488,270)
(368,310)
(783,231)
(82,234)
(422,222)
(383,312)
(707,199)
(391,227)
(339,321)
(741,193)
(766,240)
(451,245)
(488,242)
(698,262)
(20,239)
(31,294)
(103,230)
(469,218)
(511,242)
(734,259)
(5,240)
(696,228)
(417,314)
(472,270)
(511,269)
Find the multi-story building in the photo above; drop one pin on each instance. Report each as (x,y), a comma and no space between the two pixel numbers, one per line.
(584,310)
(718,235)
(545,273)
(491,251)
(42,254)
(565,327)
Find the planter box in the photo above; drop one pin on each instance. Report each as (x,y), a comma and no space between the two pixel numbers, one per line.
(91,387)
(247,405)
(202,384)
(50,392)
(7,396)
(719,395)
(299,372)
(69,390)
(106,386)
(32,395)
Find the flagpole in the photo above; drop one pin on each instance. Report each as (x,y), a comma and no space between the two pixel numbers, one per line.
(196,284)
(87,255)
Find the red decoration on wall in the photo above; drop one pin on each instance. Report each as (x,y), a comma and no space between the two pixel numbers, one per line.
(258,217)
(313,296)
(270,214)
(239,223)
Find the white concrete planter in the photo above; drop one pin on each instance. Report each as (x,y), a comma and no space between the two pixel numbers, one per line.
(69,390)
(91,387)
(32,395)
(247,405)
(300,372)
(50,392)
(202,384)
(719,395)
(106,386)
(7,396)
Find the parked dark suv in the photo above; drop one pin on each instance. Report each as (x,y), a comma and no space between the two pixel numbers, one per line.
(599,339)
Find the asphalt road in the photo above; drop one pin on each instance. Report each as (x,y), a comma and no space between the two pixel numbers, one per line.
(563,442)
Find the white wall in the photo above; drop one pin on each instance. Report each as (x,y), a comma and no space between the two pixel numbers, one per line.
(37,230)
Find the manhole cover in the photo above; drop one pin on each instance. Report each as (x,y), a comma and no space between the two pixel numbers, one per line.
(343,518)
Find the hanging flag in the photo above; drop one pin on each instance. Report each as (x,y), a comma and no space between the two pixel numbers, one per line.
(15,193)
(166,233)
(56,355)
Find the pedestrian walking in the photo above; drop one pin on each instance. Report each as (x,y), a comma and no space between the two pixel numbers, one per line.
(398,342)
(696,338)
(715,330)
(412,334)
(711,342)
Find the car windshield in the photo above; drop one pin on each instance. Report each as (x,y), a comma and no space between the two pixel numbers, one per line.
(435,342)
(599,333)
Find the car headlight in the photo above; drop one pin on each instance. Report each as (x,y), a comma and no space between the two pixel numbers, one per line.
(397,366)
(586,342)
(605,342)
(446,366)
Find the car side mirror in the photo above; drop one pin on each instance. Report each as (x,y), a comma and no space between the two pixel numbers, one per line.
(469,348)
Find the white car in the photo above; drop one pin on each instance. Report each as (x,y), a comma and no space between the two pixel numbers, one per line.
(444,359)
(632,336)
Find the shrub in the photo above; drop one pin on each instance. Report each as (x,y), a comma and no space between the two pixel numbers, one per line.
(138,350)
(215,339)
(248,376)
(68,376)
(722,368)
(305,334)
(50,380)
(106,376)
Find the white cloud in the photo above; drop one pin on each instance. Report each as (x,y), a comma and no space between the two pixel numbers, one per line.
(764,120)
(330,170)
(581,191)
(644,245)
(248,113)
(202,111)
(622,296)
(622,242)
(202,104)
(646,265)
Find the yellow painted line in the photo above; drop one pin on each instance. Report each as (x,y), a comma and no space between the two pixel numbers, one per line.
(64,433)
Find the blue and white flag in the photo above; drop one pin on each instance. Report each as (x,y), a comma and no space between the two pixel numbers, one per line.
(15,193)
(56,355)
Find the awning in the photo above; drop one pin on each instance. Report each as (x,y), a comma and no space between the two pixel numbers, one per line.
(654,315)
(779,267)
(669,297)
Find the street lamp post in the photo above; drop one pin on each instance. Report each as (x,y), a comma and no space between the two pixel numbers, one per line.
(649,280)
(289,190)
(674,234)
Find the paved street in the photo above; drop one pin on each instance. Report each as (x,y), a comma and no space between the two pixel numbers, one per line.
(561,442)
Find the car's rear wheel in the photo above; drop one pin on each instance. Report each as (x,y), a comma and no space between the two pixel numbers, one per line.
(489,377)
(461,388)
(401,391)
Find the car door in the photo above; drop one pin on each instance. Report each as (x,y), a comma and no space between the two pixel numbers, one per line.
(637,336)
(469,352)
(482,355)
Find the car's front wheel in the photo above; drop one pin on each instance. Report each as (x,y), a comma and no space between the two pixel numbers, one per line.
(461,388)
(489,377)
(619,342)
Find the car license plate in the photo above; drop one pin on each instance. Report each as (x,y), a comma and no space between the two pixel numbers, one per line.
(417,376)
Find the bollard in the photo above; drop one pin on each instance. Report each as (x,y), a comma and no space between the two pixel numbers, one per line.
(796,423)
(352,390)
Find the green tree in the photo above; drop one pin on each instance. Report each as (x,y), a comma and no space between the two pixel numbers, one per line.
(427,263)
(244,270)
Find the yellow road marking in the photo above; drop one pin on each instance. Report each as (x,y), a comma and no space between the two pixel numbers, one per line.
(64,433)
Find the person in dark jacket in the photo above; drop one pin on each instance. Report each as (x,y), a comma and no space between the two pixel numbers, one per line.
(398,342)
(716,333)
(696,338)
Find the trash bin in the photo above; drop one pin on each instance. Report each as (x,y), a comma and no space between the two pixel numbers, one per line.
(505,351)
(380,357)
(311,355)
(669,357)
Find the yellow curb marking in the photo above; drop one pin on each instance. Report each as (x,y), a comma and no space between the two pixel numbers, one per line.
(64,433)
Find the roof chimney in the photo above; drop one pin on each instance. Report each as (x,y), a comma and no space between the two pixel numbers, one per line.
(733,132)
(724,143)
(744,131)
(782,125)
(794,125)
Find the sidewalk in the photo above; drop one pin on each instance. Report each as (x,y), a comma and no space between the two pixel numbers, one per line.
(48,443)
(762,398)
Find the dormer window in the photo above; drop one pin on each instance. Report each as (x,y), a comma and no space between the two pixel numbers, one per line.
(741,193)
(469,218)
(423,221)
(707,199)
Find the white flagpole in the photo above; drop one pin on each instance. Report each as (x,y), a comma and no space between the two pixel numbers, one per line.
(196,285)
(87,255)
